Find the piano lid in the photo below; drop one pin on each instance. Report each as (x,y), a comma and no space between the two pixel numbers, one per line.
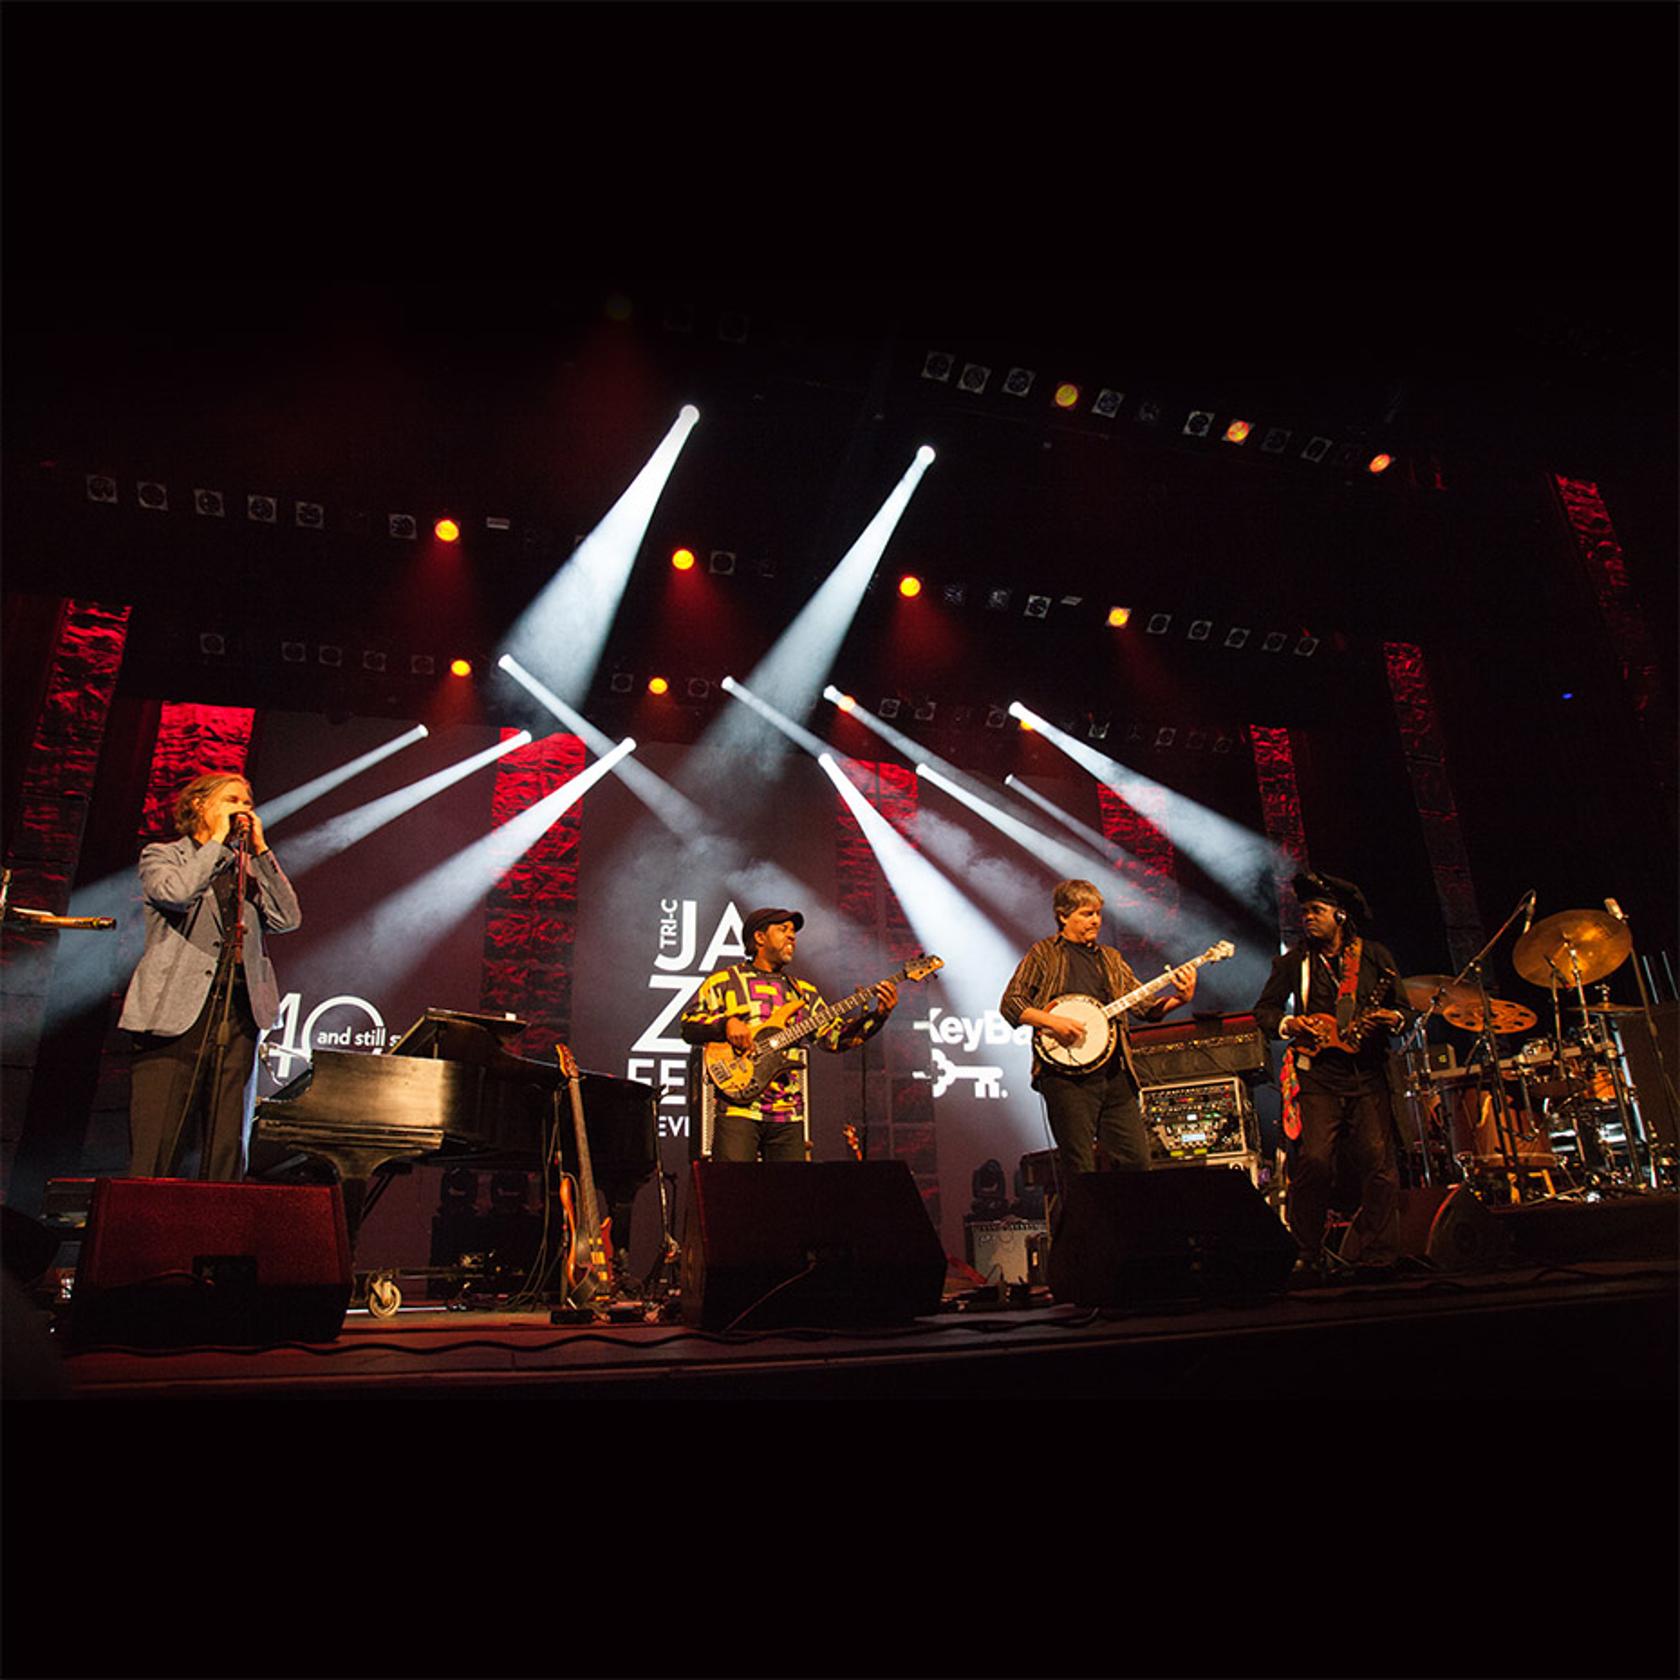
(455,1035)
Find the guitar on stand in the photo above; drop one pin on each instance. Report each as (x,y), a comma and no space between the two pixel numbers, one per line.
(586,1260)
(1096,1042)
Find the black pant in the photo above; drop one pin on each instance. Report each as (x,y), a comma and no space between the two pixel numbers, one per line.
(736,1138)
(1345,1154)
(1091,1108)
(160,1081)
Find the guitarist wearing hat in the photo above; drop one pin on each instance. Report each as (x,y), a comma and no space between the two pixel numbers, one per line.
(1337,1116)
(732,1005)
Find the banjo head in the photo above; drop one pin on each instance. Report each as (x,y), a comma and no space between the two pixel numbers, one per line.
(1090,1050)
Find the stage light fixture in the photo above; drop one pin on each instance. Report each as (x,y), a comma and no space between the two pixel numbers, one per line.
(621,682)
(1316,449)
(962,717)
(1026,723)
(953,594)
(1108,403)
(1200,629)
(1073,600)
(1148,413)
(721,562)
(997,600)
(1276,440)
(373,660)
(152,495)
(1306,647)
(403,526)
(310,516)
(1159,624)
(1274,642)
(263,509)
(996,717)
(924,713)
(909,586)
(846,703)
(1134,734)
(733,326)
(1237,431)
(212,642)
(1165,736)
(658,685)
(421,665)
(1196,740)
(1237,636)
(1018,381)
(329,654)
(1198,423)
(679,317)
(973,377)
(1098,730)
(698,688)
(889,707)
(1379,463)
(497,522)
(765,565)
(938,365)
(1067,395)
(683,559)
(100,488)
(209,503)
(460,667)
(1038,606)
(446,530)
(1119,617)
(1222,743)
(294,653)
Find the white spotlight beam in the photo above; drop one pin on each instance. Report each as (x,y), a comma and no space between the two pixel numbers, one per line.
(1089,836)
(564,630)
(275,811)
(389,939)
(790,676)
(1243,862)
(796,733)
(337,834)
(1057,855)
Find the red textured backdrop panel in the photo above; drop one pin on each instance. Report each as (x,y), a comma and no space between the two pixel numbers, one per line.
(1280,807)
(1147,860)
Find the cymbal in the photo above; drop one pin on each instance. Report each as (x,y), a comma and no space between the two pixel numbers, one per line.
(1507,1017)
(1607,1009)
(1599,942)
(1421,988)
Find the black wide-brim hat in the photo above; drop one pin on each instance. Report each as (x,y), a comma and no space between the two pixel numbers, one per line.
(1313,887)
(767,918)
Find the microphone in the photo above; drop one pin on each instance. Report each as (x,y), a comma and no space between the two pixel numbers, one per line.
(239,826)
(1528,917)
(1615,909)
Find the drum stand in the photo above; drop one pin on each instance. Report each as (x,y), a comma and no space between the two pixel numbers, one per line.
(1601,1048)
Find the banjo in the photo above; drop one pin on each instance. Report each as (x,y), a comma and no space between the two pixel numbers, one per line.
(1096,1044)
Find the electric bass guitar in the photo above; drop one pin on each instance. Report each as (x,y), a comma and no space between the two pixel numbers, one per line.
(588,1245)
(1096,1043)
(741,1075)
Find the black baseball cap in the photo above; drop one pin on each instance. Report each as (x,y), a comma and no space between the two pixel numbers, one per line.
(764,918)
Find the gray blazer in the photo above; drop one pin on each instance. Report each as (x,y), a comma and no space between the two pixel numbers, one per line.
(184,935)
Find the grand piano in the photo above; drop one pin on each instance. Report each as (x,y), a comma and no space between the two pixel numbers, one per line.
(449,1092)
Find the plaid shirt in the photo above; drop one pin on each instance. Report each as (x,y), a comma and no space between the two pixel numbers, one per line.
(752,995)
(1042,976)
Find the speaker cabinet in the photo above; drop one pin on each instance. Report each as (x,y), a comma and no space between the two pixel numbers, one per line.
(176,1263)
(834,1243)
(1130,1238)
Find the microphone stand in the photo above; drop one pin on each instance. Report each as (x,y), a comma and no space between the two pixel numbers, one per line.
(1669,1097)
(1486,1039)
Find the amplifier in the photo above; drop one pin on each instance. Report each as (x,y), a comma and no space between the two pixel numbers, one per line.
(1205,1048)
(1201,1122)
(1008,1249)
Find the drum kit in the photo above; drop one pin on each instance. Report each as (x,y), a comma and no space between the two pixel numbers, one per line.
(1552,1114)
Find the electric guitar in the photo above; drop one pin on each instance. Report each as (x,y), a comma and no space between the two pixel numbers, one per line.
(1096,1044)
(1326,1035)
(588,1245)
(740,1076)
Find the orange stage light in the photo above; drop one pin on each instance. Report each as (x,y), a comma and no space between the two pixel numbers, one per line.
(683,559)
(460,667)
(1067,395)
(1380,463)
(1119,617)
(909,586)
(846,703)
(1237,431)
(658,685)
(446,530)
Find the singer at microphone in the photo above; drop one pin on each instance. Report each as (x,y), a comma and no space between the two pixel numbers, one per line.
(187,984)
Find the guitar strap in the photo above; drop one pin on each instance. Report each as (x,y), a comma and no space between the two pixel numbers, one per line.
(1294,1061)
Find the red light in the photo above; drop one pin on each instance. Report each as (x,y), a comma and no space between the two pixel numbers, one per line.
(909,587)
(683,559)
(658,685)
(460,667)
(1067,395)
(1237,431)
(1119,617)
(446,530)
(1380,463)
